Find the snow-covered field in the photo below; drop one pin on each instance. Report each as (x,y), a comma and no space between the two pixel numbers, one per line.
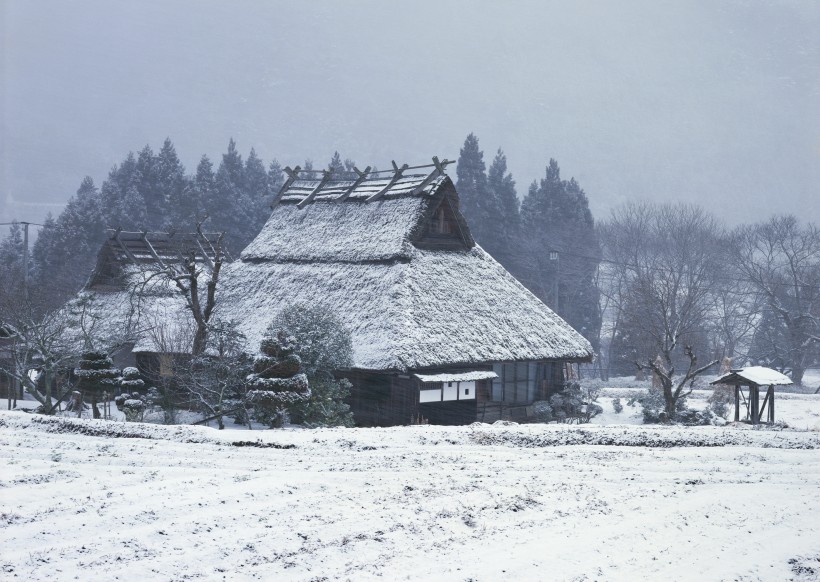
(95,500)
(798,411)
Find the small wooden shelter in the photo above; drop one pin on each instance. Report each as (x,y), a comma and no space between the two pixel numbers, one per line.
(753,378)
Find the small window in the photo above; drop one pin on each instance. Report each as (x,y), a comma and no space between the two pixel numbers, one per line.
(442,223)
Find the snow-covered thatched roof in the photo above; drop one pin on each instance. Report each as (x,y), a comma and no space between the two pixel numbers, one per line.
(392,258)
(412,297)
(123,251)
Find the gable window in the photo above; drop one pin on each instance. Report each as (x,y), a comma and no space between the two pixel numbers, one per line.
(442,222)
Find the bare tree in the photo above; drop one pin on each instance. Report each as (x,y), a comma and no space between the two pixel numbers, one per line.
(666,263)
(41,349)
(737,308)
(781,260)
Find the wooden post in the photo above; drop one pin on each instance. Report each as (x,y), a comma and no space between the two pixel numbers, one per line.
(754,397)
(737,403)
(770,396)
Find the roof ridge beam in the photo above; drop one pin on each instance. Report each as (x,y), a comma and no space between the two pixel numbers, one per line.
(326,175)
(396,176)
(362,177)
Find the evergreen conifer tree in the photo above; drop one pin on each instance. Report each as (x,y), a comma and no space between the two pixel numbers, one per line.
(231,211)
(175,197)
(145,180)
(256,189)
(479,206)
(276,383)
(336,165)
(503,237)
(555,217)
(204,186)
(275,181)
(67,246)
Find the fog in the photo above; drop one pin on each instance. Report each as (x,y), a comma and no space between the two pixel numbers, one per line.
(716,103)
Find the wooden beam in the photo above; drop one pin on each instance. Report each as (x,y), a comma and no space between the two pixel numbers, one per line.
(152,250)
(207,258)
(443,163)
(437,171)
(397,173)
(326,174)
(754,398)
(737,403)
(362,177)
(293,175)
(771,405)
(128,253)
(763,406)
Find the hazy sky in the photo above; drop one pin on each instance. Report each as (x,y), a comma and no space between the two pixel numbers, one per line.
(711,102)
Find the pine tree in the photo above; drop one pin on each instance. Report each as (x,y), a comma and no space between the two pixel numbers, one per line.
(133,215)
(275,181)
(66,247)
(97,377)
(256,189)
(145,182)
(174,191)
(231,211)
(204,186)
(479,207)
(324,346)
(276,383)
(11,263)
(307,172)
(503,238)
(555,217)
(336,165)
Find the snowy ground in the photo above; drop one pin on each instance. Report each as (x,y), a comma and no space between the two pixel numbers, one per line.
(94,500)
(798,411)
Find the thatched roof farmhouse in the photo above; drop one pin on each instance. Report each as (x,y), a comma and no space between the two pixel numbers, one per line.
(439,328)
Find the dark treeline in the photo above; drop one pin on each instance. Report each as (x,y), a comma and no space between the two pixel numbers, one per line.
(149,191)
(153,191)
(663,288)
(548,241)
(660,288)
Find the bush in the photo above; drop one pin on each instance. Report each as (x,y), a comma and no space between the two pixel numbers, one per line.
(691,417)
(654,405)
(324,346)
(542,411)
(574,405)
(326,405)
(617,406)
(722,400)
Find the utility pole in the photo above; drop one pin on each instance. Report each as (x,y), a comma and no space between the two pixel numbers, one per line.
(554,258)
(25,260)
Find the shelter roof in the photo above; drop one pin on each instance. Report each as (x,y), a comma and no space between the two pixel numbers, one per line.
(759,375)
